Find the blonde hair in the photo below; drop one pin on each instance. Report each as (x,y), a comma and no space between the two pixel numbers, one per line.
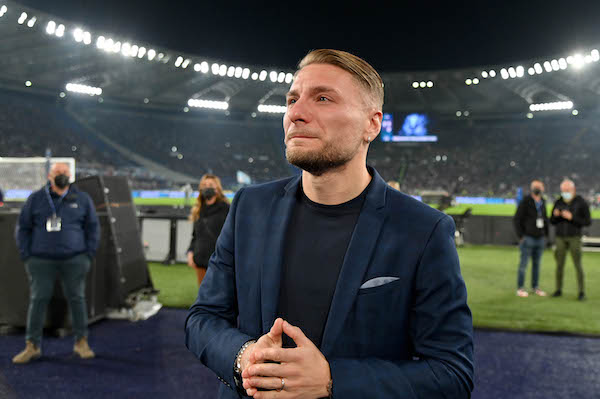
(394,184)
(361,70)
(200,200)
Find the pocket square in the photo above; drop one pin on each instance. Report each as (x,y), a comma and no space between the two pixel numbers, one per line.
(377,281)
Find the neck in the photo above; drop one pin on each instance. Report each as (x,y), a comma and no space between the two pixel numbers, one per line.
(211,201)
(536,197)
(337,186)
(59,191)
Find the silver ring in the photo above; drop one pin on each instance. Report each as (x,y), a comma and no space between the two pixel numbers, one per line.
(282,384)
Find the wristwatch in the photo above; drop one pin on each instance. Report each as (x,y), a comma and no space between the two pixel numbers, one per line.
(237,368)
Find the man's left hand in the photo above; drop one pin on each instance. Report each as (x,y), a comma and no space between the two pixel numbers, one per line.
(304,370)
(567,215)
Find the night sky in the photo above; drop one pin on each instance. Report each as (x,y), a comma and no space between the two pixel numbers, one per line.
(415,35)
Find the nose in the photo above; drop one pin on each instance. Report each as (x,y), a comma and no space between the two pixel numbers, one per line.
(299,112)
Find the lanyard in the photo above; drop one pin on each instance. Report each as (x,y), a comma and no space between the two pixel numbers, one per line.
(52,202)
(538,207)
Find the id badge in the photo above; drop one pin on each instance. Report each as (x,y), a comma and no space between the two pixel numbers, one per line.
(539,223)
(53,224)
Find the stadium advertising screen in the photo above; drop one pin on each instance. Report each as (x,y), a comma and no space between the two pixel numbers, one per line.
(412,129)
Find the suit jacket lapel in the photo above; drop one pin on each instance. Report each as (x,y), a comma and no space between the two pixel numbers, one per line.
(279,218)
(356,261)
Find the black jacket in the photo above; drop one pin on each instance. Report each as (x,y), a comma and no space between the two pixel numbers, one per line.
(80,230)
(206,230)
(581,217)
(526,216)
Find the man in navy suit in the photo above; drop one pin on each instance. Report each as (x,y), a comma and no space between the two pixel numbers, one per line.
(332,284)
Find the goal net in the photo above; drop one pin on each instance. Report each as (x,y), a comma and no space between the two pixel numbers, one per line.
(21,176)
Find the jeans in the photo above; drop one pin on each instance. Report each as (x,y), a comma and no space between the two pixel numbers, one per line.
(530,247)
(573,245)
(42,274)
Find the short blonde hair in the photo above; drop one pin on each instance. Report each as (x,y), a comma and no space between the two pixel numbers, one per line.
(361,70)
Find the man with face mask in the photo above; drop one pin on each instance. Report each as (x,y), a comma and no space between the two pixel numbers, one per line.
(531,226)
(57,235)
(570,214)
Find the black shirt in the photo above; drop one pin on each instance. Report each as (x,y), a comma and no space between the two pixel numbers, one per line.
(581,217)
(525,220)
(316,242)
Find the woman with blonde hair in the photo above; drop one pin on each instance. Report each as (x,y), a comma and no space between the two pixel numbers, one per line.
(208,215)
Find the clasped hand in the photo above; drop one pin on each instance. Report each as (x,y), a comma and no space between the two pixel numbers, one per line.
(301,372)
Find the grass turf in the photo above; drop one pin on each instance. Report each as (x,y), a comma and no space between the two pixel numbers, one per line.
(490,274)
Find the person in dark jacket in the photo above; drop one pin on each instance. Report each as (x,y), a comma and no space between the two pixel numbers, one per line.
(57,235)
(531,226)
(208,214)
(570,214)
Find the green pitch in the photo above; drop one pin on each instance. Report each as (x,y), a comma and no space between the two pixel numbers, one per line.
(490,274)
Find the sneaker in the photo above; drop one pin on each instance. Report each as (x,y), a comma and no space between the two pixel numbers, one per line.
(557,293)
(30,352)
(82,349)
(581,296)
(522,293)
(539,292)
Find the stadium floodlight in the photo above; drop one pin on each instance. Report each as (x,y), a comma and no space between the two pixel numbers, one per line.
(263,75)
(87,38)
(186,109)
(62,94)
(223,70)
(51,27)
(415,85)
(547,66)
(151,54)
(204,67)
(178,61)
(468,82)
(31,22)
(60,31)
(272,109)
(100,42)
(281,77)
(520,71)
(197,67)
(125,49)
(466,113)
(134,50)
(215,69)
(116,47)
(538,68)
(28,83)
(231,71)
(84,89)
(531,71)
(484,74)
(141,52)
(254,76)
(562,63)
(475,81)
(246,73)
(587,59)
(22,18)
(512,72)
(504,73)
(492,73)
(458,113)
(3,10)
(430,84)
(578,61)
(223,105)
(575,112)
(554,106)
(108,43)
(146,100)
(422,85)
(273,76)
(595,55)
(554,64)
(529,115)
(185,63)
(78,35)
(238,72)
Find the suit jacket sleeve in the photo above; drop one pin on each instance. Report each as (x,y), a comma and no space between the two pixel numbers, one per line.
(441,330)
(210,327)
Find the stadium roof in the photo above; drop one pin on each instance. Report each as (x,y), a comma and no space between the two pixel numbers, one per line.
(46,54)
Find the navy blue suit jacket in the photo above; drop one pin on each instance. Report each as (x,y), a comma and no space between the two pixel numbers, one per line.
(410,338)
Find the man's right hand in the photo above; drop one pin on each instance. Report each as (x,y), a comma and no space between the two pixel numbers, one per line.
(272,339)
(190,260)
(556,213)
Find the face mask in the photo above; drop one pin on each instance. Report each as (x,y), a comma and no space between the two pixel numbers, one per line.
(208,193)
(567,196)
(61,181)
(536,191)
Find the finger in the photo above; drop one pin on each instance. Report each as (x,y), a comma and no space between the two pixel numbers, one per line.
(265,370)
(276,332)
(274,355)
(264,383)
(296,334)
(251,391)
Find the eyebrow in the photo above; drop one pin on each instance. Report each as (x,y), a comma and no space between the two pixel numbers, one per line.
(314,90)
